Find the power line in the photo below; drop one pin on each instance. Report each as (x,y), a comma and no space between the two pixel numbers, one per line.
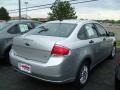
(41,5)
(51,4)
(48,6)
(32,9)
(33,6)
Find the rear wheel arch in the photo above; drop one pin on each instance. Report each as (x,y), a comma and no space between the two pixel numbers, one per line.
(88,61)
(85,60)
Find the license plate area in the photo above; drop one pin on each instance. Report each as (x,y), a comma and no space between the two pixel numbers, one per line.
(24,67)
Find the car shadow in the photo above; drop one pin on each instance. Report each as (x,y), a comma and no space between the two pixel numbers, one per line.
(36,84)
(4,63)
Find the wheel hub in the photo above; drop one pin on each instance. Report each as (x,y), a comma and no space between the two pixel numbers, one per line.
(84,74)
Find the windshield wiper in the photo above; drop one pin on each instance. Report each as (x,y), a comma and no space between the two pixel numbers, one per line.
(44,29)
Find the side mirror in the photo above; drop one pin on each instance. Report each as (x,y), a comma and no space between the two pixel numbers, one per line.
(111,34)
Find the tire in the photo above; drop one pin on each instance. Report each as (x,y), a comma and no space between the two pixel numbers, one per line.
(82,76)
(117,84)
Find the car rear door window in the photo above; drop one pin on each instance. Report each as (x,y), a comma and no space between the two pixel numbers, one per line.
(91,31)
(87,32)
(14,30)
(25,27)
(82,34)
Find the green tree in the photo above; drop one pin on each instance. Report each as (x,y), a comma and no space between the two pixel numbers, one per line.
(4,15)
(35,19)
(118,21)
(62,10)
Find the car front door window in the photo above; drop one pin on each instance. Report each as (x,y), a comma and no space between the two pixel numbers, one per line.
(101,30)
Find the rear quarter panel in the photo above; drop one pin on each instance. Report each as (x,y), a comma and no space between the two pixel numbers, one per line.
(79,51)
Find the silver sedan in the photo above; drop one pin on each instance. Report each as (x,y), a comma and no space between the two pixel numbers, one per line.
(62,51)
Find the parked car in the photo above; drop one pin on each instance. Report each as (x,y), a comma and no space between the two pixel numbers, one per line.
(11,29)
(117,74)
(2,24)
(62,51)
(2,21)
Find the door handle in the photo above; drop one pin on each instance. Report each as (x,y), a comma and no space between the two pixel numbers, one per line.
(104,39)
(91,41)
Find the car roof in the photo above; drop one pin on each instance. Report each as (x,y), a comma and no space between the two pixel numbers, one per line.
(73,21)
(20,21)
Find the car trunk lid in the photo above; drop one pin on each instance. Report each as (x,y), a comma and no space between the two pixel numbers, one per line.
(35,47)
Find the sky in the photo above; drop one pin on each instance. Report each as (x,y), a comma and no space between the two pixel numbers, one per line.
(100,10)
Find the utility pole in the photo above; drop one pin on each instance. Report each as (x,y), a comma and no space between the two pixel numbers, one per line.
(26,3)
(19,1)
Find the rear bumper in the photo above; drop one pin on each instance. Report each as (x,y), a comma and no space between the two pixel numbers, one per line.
(52,71)
(40,77)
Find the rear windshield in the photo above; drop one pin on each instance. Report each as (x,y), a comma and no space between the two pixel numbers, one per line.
(54,29)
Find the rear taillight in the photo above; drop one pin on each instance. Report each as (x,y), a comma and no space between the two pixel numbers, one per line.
(60,50)
(118,60)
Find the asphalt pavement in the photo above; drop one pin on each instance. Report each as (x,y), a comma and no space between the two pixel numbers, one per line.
(101,78)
